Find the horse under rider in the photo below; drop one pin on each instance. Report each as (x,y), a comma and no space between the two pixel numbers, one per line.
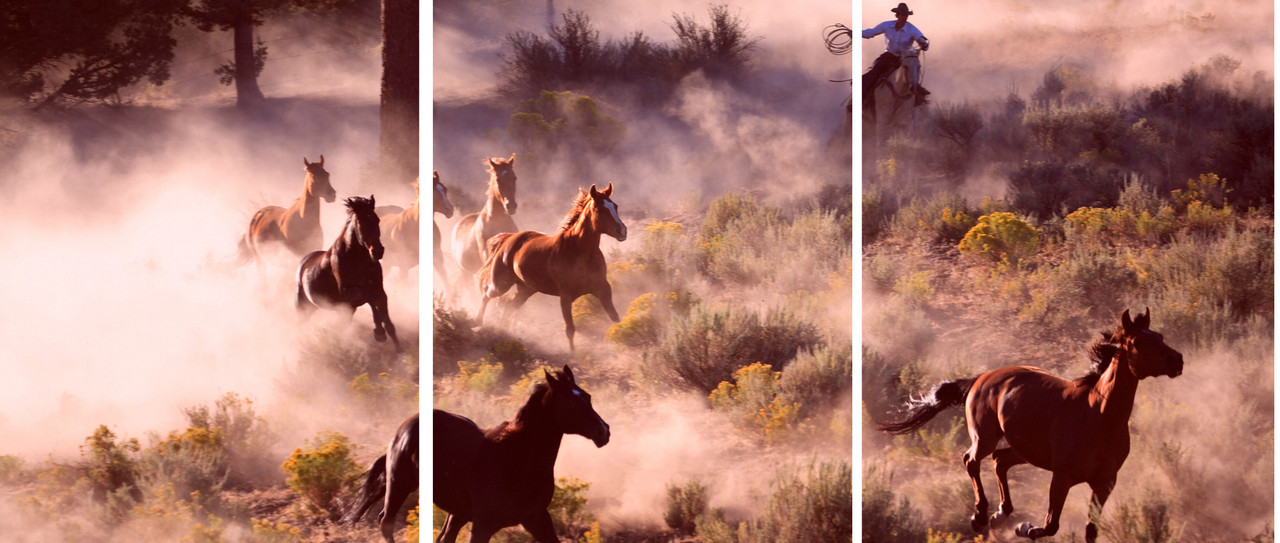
(899,36)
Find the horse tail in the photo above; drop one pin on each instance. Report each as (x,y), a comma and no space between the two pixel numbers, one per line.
(244,254)
(370,492)
(948,394)
(493,255)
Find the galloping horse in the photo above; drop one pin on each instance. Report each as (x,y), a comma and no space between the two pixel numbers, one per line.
(892,107)
(348,274)
(392,477)
(568,264)
(505,475)
(400,233)
(441,204)
(298,227)
(1079,430)
(471,232)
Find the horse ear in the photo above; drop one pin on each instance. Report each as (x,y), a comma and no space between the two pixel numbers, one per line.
(321,160)
(304,162)
(512,160)
(372,202)
(551,380)
(492,165)
(1144,320)
(567,373)
(1126,322)
(608,191)
(594,193)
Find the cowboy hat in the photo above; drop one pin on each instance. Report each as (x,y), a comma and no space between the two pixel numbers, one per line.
(902,8)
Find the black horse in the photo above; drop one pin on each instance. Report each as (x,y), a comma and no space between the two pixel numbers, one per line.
(348,274)
(504,476)
(392,477)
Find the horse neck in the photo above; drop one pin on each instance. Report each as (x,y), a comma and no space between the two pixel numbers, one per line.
(493,205)
(1116,389)
(309,204)
(536,431)
(347,242)
(582,232)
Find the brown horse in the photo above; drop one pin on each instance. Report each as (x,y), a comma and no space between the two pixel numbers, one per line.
(296,228)
(505,475)
(471,232)
(1079,430)
(400,233)
(568,264)
(441,204)
(348,274)
(392,477)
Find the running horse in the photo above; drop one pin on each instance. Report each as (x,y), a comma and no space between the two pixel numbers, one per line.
(441,204)
(1079,430)
(392,477)
(474,229)
(348,274)
(891,107)
(400,233)
(568,264)
(505,475)
(296,228)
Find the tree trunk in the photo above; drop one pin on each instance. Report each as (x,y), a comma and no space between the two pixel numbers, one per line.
(246,74)
(399,107)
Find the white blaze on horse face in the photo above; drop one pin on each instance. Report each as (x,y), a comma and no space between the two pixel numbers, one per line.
(613,212)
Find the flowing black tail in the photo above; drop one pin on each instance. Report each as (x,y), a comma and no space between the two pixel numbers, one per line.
(947,394)
(370,492)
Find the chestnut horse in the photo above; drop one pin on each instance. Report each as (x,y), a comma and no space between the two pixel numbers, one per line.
(441,204)
(505,475)
(296,228)
(348,274)
(400,233)
(392,477)
(1079,430)
(474,229)
(568,264)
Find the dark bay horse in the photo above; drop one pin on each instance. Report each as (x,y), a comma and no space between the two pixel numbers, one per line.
(504,476)
(296,228)
(441,204)
(568,264)
(471,232)
(348,274)
(400,233)
(1079,430)
(392,477)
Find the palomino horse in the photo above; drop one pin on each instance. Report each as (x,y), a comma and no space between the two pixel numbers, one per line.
(392,477)
(504,476)
(348,274)
(568,264)
(400,233)
(441,204)
(471,232)
(892,108)
(296,228)
(1079,430)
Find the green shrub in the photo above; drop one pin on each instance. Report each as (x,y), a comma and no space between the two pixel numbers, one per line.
(193,461)
(752,400)
(944,217)
(1146,520)
(916,288)
(706,347)
(813,504)
(884,519)
(685,504)
(1001,237)
(245,439)
(640,326)
(817,379)
(11,469)
(453,338)
(568,508)
(112,470)
(322,472)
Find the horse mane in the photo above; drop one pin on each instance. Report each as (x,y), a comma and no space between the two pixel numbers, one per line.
(579,204)
(490,162)
(1102,352)
(356,204)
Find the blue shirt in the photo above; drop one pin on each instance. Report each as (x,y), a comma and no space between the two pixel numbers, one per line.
(897,41)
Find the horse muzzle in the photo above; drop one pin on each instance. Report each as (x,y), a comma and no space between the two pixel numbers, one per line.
(509,206)
(1173,366)
(377,251)
(601,438)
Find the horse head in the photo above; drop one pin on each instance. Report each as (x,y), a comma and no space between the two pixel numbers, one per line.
(606,213)
(318,180)
(363,228)
(502,181)
(440,202)
(571,408)
(1145,349)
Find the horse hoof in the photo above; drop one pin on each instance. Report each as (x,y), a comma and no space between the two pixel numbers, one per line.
(379,335)
(998,518)
(978,523)
(1023,530)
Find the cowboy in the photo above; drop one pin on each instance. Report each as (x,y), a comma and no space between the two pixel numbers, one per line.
(899,36)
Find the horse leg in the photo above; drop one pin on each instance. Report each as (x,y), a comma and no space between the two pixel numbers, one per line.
(1004,459)
(398,491)
(481,531)
(1101,490)
(452,525)
(979,449)
(1058,489)
(541,528)
(382,326)
(604,293)
(566,309)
